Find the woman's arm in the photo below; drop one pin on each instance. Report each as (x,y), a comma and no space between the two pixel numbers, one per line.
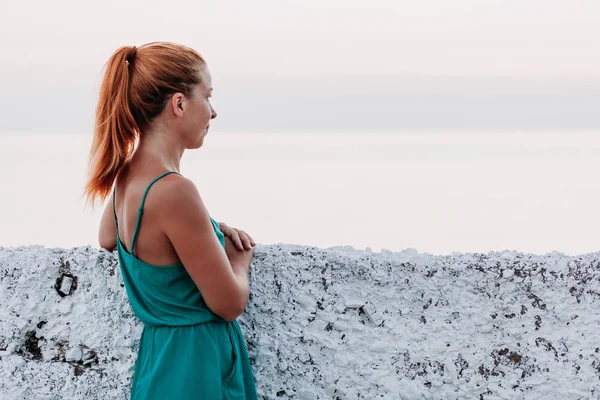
(107,235)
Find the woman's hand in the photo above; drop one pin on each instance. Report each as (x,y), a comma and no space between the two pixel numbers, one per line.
(241,239)
(238,258)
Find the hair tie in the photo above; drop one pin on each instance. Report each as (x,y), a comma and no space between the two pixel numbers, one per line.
(131,55)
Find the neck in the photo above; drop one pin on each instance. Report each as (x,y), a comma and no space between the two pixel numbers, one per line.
(157,148)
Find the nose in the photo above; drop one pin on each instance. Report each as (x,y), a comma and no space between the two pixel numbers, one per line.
(213,114)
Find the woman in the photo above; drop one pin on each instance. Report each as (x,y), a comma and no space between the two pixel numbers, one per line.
(186,275)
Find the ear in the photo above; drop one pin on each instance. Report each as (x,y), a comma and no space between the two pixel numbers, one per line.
(177,104)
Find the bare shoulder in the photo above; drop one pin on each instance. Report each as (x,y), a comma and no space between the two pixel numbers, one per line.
(178,190)
(183,213)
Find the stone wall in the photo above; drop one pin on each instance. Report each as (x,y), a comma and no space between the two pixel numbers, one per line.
(333,323)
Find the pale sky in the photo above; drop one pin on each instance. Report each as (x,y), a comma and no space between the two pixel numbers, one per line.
(320,65)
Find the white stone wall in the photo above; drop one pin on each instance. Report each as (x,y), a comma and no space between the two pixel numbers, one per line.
(332,323)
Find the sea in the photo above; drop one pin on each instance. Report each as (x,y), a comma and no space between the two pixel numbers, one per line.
(435,192)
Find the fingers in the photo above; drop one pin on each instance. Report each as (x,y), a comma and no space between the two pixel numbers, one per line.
(246,239)
(241,239)
(252,242)
(235,236)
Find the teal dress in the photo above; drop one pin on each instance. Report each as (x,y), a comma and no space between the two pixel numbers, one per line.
(185,351)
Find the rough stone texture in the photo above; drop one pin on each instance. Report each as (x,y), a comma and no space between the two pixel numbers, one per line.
(333,323)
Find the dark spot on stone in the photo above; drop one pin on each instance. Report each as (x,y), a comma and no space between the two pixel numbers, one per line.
(577,293)
(40,324)
(442,302)
(62,348)
(461,364)
(514,357)
(320,305)
(278,284)
(547,345)
(32,345)
(79,370)
(538,322)
(537,302)
(426,306)
(430,273)
(59,282)
(483,371)
(510,316)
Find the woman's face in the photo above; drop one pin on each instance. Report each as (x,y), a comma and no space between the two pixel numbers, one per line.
(199,111)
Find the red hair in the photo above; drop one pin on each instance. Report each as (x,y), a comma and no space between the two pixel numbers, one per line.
(137,85)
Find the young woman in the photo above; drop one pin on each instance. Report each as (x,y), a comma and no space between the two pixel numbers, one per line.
(185,274)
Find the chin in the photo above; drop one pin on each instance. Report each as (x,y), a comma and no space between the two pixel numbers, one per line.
(195,144)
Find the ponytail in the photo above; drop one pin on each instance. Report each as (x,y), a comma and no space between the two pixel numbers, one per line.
(115,129)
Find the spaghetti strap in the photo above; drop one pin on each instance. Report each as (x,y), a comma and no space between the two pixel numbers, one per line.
(140,210)
(115,209)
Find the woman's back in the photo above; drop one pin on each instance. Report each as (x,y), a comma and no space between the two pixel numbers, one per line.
(152,245)
(183,341)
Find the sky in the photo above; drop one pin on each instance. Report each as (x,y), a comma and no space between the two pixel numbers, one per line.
(309,68)
(335,66)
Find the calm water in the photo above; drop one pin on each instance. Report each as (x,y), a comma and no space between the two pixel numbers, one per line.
(437,193)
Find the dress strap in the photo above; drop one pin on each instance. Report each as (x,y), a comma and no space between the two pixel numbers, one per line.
(140,210)
(115,208)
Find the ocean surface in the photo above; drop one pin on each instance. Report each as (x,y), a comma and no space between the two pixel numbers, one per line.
(434,192)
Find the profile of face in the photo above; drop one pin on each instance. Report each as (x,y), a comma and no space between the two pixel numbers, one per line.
(194,113)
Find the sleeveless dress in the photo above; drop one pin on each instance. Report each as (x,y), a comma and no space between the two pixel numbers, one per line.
(185,351)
